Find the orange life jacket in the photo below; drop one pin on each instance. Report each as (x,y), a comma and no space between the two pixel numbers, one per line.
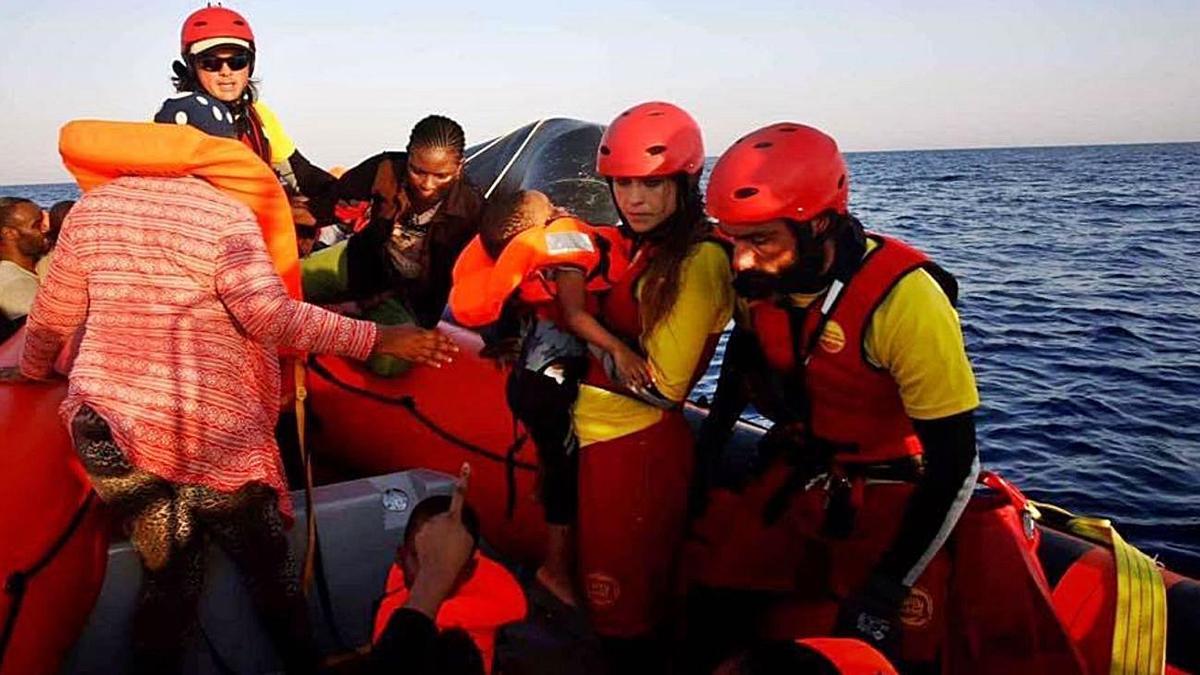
(482,285)
(850,657)
(489,599)
(854,406)
(97,152)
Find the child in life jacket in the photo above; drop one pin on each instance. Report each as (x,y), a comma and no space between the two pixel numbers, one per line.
(485,595)
(547,265)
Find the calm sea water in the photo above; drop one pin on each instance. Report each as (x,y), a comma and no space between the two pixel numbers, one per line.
(1080,301)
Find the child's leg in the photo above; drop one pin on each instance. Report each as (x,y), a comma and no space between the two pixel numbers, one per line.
(543,405)
(541,393)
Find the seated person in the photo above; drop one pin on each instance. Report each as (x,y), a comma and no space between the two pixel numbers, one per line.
(411,214)
(472,593)
(52,224)
(21,244)
(544,264)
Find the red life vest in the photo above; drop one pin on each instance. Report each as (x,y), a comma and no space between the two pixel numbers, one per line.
(482,285)
(489,599)
(854,405)
(620,312)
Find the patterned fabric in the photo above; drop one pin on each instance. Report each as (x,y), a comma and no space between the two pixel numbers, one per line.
(167,526)
(182,313)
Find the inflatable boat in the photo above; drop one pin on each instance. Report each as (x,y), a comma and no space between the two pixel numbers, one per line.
(69,584)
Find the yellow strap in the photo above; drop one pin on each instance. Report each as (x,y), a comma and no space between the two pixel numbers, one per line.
(308,571)
(1139,642)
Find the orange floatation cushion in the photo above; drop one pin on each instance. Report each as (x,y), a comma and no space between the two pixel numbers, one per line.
(96,152)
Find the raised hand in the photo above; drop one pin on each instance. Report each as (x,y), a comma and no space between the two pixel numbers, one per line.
(443,546)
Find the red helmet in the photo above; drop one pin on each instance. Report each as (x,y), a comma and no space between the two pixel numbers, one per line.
(212,27)
(651,139)
(785,170)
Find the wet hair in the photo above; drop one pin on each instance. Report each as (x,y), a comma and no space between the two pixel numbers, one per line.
(782,657)
(675,239)
(507,216)
(436,131)
(9,206)
(432,506)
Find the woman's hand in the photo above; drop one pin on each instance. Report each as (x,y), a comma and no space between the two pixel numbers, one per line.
(419,345)
(633,370)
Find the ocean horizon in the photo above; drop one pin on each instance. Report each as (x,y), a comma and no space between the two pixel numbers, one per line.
(1080,305)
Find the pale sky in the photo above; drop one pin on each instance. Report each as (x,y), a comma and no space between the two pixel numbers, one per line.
(350,77)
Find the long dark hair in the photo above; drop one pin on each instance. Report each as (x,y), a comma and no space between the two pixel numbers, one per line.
(673,241)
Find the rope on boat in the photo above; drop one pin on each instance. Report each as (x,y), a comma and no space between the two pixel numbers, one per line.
(409,404)
(512,160)
(17,583)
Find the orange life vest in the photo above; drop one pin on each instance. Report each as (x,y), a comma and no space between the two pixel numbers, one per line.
(489,599)
(854,406)
(850,657)
(482,285)
(97,152)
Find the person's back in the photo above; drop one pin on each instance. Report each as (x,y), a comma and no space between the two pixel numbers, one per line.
(174,306)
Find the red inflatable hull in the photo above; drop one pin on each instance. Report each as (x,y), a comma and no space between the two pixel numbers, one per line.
(45,492)
(435,419)
(458,414)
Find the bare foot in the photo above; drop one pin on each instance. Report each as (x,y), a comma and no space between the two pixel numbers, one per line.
(559,586)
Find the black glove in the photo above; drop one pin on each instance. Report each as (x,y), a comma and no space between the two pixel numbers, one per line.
(873,615)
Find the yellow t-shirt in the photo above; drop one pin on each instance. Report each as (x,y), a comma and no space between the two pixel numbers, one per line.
(282,145)
(915,335)
(673,348)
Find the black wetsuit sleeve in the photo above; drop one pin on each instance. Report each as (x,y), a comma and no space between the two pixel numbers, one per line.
(354,185)
(407,645)
(313,181)
(732,395)
(951,467)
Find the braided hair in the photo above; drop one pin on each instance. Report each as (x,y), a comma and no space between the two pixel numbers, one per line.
(436,131)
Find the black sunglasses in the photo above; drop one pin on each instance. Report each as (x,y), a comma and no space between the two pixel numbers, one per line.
(213,64)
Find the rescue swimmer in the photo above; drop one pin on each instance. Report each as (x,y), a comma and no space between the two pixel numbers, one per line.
(852,346)
(672,304)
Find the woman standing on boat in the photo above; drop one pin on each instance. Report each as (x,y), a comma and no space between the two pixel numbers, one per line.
(217,52)
(636,448)
(173,397)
